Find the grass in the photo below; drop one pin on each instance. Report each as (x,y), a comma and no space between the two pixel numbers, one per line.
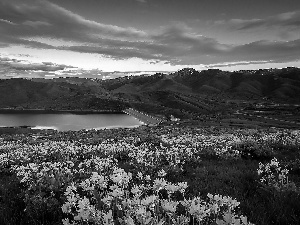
(233,177)
(238,179)
(11,201)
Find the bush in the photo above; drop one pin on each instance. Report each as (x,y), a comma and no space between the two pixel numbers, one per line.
(256,151)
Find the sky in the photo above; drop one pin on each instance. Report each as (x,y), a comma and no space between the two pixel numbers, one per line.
(110,38)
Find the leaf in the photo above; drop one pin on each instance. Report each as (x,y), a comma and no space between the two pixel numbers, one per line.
(129,221)
(148,220)
(161,222)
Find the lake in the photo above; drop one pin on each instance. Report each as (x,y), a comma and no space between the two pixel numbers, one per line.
(68,121)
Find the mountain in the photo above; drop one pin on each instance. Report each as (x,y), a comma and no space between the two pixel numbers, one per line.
(183,93)
(54,94)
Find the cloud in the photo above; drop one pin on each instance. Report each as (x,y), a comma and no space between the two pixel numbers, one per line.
(173,43)
(43,25)
(47,66)
(11,64)
(7,40)
(36,23)
(279,51)
(288,20)
(141,1)
(230,64)
(6,21)
(44,19)
(15,68)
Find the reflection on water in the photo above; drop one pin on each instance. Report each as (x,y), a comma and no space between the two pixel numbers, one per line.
(64,122)
(44,128)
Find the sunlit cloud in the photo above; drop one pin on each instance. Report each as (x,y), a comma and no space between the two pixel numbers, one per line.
(14,68)
(40,24)
(233,64)
(11,67)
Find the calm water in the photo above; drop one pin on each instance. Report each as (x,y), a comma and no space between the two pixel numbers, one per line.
(64,122)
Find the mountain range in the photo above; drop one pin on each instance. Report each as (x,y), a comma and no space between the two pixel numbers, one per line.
(180,93)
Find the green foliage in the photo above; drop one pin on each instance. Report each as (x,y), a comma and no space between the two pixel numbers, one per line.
(12,204)
(294,166)
(212,161)
(256,151)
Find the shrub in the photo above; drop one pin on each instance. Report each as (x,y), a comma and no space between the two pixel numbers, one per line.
(255,150)
(272,175)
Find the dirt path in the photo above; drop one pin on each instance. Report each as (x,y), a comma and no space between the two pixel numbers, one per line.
(143,117)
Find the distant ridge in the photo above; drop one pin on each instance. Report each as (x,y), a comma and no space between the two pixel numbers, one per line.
(176,93)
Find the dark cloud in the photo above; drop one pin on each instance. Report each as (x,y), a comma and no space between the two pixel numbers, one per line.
(116,53)
(14,68)
(30,23)
(184,41)
(44,19)
(279,51)
(7,40)
(289,20)
(36,66)
(173,43)
(141,1)
(10,67)
(21,65)
(271,51)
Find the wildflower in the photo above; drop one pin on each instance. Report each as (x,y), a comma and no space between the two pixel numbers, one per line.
(181,220)
(162,173)
(129,221)
(199,210)
(117,192)
(84,209)
(273,175)
(140,175)
(159,184)
(169,206)
(149,200)
(231,218)
(107,218)
(86,185)
(107,200)
(182,186)
(67,222)
(66,208)
(120,177)
(136,190)
(171,188)
(141,211)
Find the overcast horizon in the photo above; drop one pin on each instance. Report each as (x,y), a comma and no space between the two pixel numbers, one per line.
(93,38)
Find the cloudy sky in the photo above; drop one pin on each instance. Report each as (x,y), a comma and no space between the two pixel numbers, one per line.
(95,37)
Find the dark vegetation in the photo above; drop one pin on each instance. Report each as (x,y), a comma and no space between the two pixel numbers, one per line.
(222,102)
(235,177)
(184,93)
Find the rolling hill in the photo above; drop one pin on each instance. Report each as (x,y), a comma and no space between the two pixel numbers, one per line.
(184,92)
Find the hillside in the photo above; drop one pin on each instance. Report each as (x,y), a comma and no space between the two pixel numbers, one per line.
(184,93)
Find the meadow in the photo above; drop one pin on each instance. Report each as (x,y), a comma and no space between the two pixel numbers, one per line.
(151,176)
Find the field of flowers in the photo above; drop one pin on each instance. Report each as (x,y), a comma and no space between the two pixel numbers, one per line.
(151,176)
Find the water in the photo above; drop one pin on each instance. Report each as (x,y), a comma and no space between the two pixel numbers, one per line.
(64,122)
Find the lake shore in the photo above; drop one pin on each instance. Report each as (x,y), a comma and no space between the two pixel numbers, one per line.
(50,111)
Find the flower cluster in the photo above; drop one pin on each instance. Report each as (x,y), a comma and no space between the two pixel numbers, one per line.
(122,197)
(273,175)
(85,178)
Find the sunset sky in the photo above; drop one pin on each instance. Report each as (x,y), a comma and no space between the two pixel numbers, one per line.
(41,38)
